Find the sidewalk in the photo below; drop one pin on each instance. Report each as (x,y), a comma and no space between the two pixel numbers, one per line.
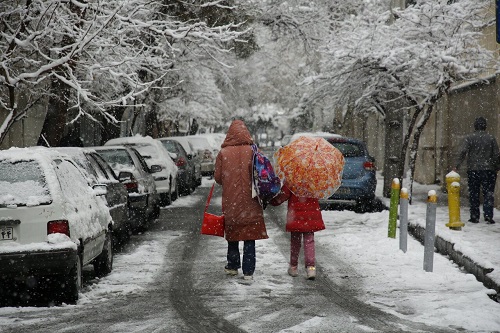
(475,248)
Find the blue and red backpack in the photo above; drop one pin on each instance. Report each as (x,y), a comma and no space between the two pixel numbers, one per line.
(266,183)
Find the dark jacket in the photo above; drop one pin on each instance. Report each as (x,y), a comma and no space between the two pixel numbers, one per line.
(244,217)
(481,149)
(304,214)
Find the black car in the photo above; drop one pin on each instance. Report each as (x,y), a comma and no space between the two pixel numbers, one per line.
(184,163)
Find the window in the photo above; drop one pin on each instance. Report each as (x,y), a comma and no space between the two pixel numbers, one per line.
(71,181)
(23,183)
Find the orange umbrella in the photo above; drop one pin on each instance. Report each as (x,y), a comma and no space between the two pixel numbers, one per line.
(311,167)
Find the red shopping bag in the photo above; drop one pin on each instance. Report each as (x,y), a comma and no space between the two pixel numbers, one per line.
(212,224)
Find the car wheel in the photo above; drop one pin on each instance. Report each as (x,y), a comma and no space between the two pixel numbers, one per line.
(139,219)
(175,193)
(194,184)
(166,198)
(72,283)
(188,186)
(156,212)
(103,264)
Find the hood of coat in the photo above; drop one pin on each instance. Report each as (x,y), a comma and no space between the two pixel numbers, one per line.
(237,135)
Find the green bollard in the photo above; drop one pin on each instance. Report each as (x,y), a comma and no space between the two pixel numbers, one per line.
(393,210)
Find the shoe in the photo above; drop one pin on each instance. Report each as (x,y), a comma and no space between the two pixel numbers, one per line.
(311,272)
(293,271)
(474,220)
(230,271)
(248,277)
(489,220)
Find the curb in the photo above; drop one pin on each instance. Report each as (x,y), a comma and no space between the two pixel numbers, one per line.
(447,248)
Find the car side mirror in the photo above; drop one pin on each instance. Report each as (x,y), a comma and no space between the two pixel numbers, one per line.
(100,189)
(125,176)
(173,155)
(155,168)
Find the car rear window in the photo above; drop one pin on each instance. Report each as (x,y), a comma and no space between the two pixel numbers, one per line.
(147,151)
(23,183)
(348,149)
(171,147)
(116,157)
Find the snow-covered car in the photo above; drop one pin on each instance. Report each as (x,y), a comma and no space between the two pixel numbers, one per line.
(52,222)
(187,177)
(136,175)
(192,155)
(100,172)
(207,152)
(155,154)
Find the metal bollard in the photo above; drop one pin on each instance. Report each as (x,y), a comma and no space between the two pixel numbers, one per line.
(453,188)
(430,231)
(393,209)
(403,220)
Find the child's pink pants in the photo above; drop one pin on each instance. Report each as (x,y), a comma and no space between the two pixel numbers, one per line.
(295,242)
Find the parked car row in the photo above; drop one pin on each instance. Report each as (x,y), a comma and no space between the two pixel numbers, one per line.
(64,208)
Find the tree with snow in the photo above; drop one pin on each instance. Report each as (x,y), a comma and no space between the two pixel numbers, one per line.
(89,57)
(381,60)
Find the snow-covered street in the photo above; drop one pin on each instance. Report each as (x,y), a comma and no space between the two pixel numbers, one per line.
(163,282)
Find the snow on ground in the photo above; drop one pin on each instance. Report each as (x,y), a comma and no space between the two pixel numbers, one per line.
(394,281)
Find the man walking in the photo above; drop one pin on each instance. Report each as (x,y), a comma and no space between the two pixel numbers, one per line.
(483,162)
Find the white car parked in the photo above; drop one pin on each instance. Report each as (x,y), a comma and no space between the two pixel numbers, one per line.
(52,223)
(155,153)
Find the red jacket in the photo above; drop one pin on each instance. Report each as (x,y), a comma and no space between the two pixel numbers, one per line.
(243,215)
(304,214)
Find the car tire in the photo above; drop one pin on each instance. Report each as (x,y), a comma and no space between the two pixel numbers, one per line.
(156,212)
(175,193)
(72,283)
(140,220)
(167,198)
(103,264)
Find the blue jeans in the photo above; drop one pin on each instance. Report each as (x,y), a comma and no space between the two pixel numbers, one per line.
(486,180)
(233,256)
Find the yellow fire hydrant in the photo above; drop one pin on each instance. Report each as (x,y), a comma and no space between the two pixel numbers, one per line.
(453,188)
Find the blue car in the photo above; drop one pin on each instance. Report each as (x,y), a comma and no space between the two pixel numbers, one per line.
(359,181)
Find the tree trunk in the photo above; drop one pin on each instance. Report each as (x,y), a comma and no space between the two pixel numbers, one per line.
(55,121)
(393,163)
(57,111)
(414,147)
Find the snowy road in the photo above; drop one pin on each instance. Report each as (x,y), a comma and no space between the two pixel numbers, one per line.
(171,279)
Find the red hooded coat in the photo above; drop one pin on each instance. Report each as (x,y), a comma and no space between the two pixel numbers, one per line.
(243,215)
(304,214)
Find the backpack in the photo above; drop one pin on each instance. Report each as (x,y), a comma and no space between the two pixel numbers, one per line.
(266,183)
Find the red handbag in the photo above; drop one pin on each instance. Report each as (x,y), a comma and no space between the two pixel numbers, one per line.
(212,224)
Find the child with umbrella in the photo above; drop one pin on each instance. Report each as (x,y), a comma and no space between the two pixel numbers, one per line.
(312,169)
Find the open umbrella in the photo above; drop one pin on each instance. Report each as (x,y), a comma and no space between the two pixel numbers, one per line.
(311,167)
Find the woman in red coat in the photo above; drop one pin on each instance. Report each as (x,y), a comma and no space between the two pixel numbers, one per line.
(302,220)
(243,214)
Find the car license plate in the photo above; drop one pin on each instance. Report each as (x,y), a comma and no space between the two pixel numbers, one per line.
(343,190)
(6,233)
